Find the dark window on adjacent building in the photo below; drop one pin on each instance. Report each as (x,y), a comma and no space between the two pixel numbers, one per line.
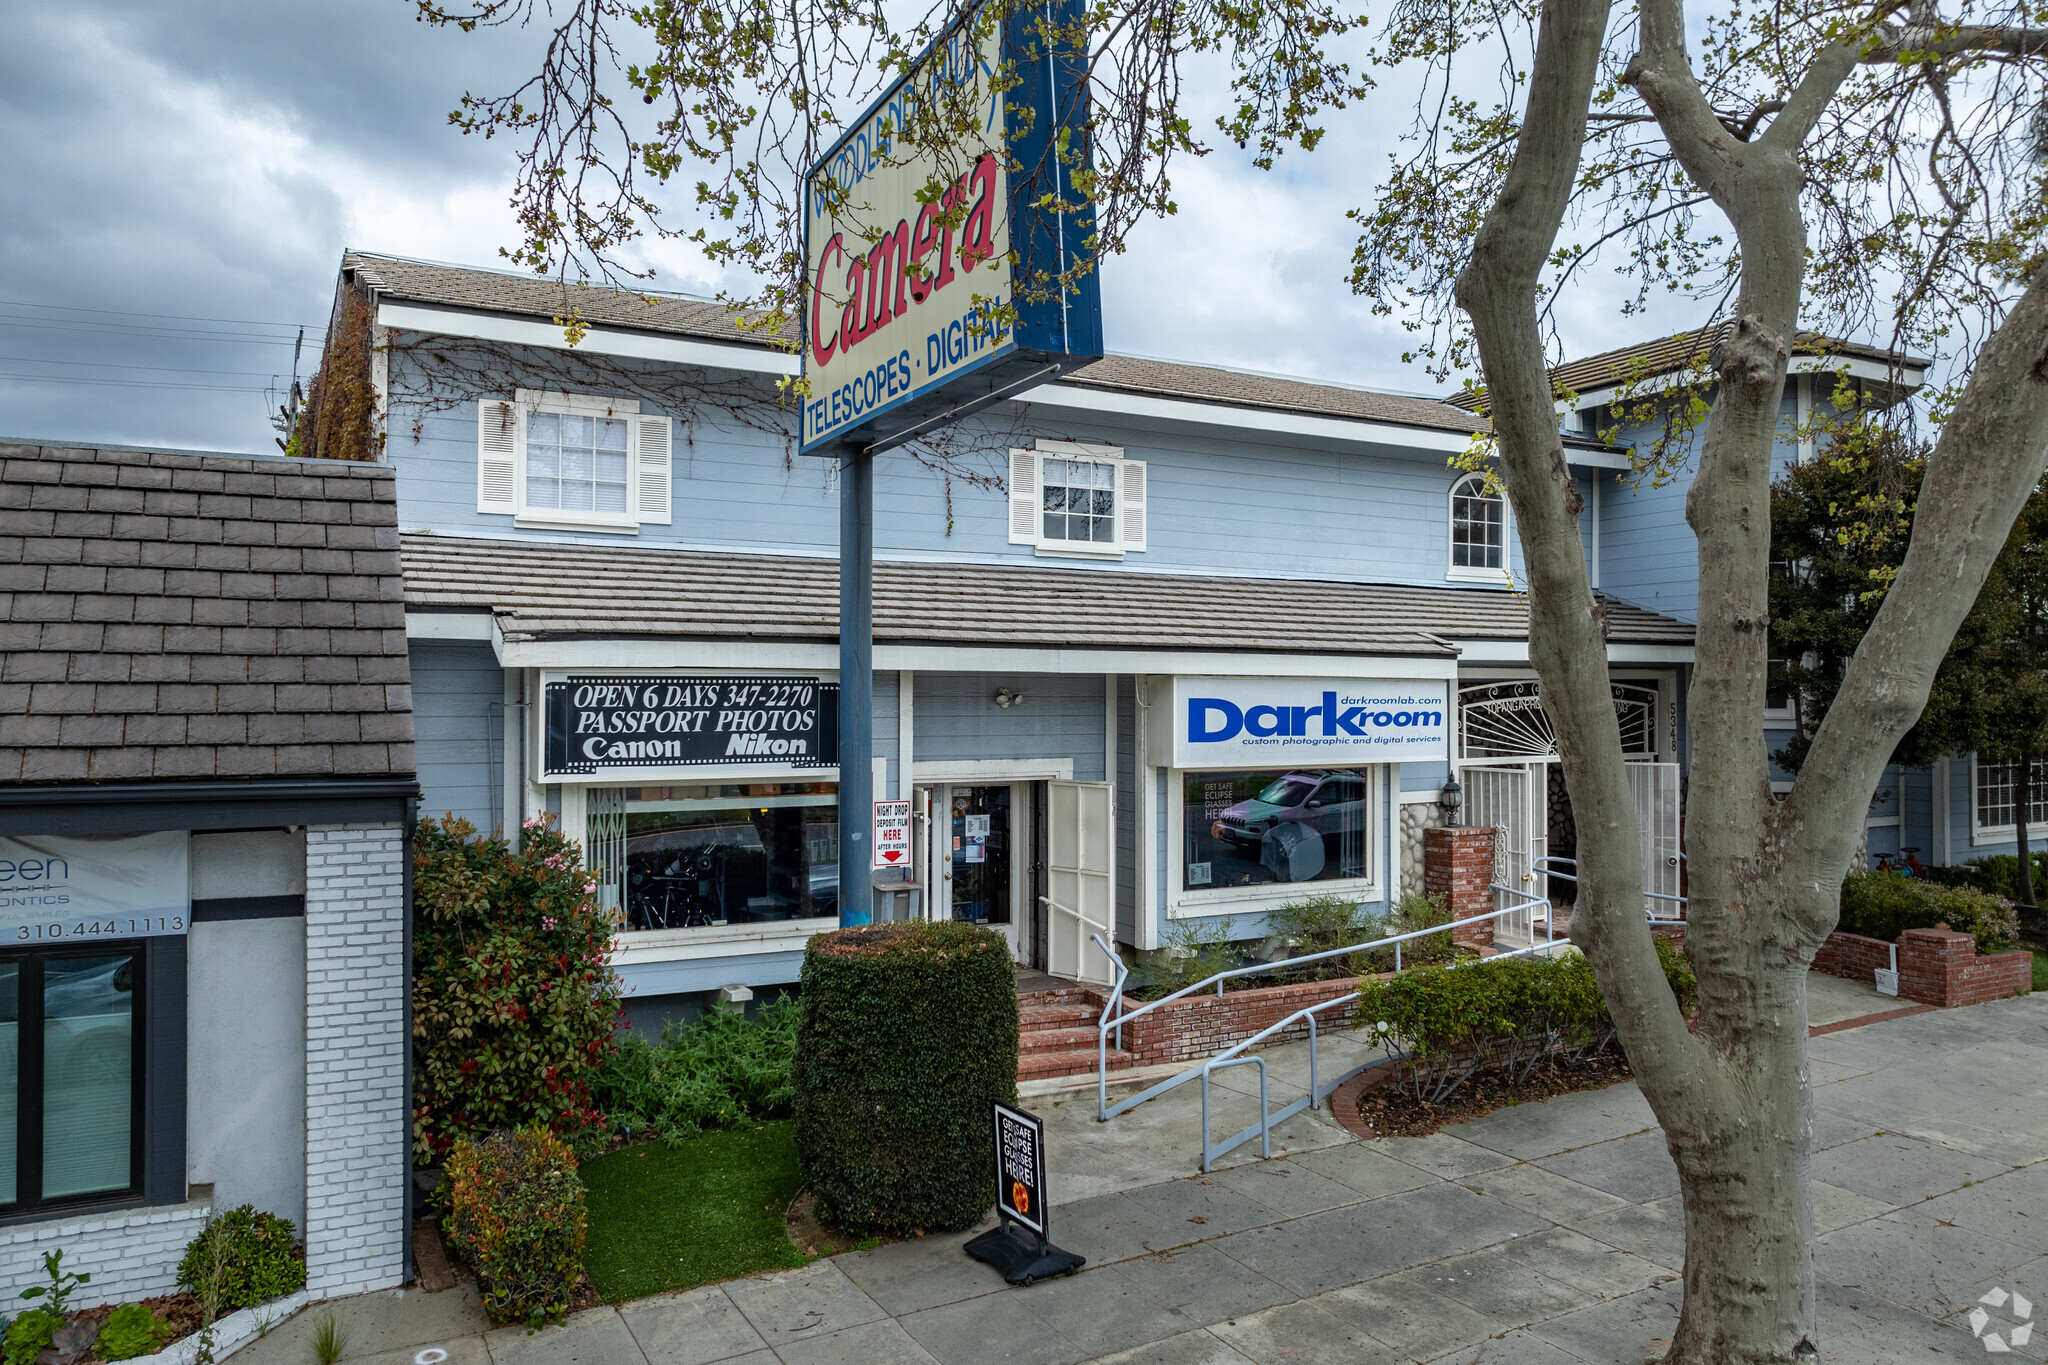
(72,1025)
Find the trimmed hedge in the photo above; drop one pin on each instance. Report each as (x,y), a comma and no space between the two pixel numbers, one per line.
(1510,1012)
(907,1033)
(1884,905)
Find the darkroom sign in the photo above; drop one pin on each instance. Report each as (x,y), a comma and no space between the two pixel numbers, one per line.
(596,724)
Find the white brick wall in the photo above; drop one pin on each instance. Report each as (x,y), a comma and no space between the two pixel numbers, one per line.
(132,1254)
(357,1113)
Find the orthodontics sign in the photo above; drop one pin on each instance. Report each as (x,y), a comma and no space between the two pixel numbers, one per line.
(914,259)
(597,724)
(1268,722)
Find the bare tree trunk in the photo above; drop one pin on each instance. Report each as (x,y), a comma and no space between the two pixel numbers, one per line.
(1763,879)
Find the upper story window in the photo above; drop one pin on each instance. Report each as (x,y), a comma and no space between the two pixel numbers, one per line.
(1067,498)
(571,461)
(1479,530)
(1997,798)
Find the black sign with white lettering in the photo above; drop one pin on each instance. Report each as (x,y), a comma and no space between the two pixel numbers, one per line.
(1020,1166)
(595,724)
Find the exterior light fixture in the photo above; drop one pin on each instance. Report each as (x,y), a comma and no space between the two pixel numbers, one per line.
(1006,698)
(1450,799)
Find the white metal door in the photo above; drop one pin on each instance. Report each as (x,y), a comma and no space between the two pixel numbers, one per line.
(1514,802)
(1080,841)
(1655,789)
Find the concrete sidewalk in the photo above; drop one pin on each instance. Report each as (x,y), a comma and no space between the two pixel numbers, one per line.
(1542,1234)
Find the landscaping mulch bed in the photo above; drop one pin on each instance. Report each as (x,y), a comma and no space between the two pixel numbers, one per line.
(1389,1113)
(180,1310)
(814,1238)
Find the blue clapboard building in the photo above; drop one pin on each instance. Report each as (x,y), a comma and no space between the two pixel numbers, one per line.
(621,603)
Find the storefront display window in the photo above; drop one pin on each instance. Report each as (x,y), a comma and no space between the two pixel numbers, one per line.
(1277,825)
(69,1025)
(722,854)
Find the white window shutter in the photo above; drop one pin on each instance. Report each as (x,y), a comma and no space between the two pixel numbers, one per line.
(651,442)
(1023,497)
(497,455)
(1131,505)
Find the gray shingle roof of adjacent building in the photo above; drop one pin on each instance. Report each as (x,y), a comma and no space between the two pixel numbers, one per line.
(1677,352)
(182,616)
(528,296)
(582,590)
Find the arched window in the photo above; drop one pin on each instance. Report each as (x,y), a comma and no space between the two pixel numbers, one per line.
(1479,529)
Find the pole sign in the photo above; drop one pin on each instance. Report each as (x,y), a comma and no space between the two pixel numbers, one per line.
(1275,722)
(601,723)
(917,257)
(892,834)
(76,890)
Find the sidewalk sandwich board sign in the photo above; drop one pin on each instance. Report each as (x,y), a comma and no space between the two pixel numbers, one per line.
(892,834)
(942,282)
(1020,1199)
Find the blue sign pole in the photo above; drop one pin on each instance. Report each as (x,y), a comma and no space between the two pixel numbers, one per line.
(856,683)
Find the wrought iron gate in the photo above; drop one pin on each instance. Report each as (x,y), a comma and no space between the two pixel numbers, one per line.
(1655,789)
(1513,801)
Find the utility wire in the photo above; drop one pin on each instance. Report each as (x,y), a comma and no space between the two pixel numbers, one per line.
(134,383)
(109,365)
(173,317)
(137,330)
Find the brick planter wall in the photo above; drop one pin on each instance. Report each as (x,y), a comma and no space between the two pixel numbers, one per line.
(1203,1025)
(1457,864)
(1936,966)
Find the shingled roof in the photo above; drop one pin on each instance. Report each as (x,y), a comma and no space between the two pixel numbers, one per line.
(552,591)
(1667,355)
(526,296)
(170,615)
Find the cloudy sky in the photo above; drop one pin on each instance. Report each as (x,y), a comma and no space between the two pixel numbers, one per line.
(182,179)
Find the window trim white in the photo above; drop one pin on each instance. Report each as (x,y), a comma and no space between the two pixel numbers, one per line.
(1982,834)
(1114,457)
(530,401)
(1462,573)
(1209,902)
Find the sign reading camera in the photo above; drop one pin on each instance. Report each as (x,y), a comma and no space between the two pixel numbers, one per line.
(595,724)
(941,282)
(1275,722)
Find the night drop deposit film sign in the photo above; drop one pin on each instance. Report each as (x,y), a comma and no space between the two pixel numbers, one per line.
(892,834)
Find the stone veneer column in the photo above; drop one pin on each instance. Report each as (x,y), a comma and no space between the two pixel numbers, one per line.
(357,1114)
(1457,864)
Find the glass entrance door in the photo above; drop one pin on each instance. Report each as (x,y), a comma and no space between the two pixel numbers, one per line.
(978,857)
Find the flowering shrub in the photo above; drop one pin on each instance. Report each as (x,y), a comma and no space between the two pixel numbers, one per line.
(515,1212)
(513,1001)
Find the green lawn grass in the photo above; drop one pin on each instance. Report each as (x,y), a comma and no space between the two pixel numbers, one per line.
(2040,970)
(665,1218)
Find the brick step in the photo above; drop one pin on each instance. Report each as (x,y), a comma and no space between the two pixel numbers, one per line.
(1039,1066)
(1032,1017)
(1058,1040)
(1058,995)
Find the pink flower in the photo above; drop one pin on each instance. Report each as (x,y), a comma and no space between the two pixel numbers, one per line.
(547,921)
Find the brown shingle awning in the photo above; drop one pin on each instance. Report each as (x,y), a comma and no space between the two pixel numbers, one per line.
(559,591)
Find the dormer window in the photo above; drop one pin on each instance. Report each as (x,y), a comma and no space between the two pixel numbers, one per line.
(1479,531)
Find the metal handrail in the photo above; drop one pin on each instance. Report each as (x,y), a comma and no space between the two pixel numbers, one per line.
(1109,1021)
(1573,877)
